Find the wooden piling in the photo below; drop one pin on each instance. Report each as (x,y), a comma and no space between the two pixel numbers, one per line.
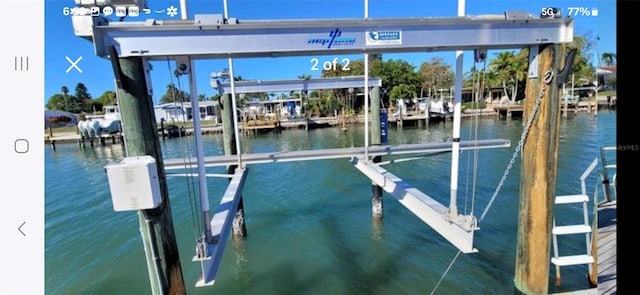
(538,179)
(156,225)
(593,270)
(376,197)
(228,134)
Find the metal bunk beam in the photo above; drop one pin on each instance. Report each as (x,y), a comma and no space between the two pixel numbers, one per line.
(221,229)
(210,36)
(457,230)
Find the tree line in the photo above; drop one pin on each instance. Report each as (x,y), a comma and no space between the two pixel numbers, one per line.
(81,101)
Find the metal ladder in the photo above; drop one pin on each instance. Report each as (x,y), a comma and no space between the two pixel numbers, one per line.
(581,228)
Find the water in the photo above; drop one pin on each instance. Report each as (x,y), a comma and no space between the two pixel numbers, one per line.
(309,224)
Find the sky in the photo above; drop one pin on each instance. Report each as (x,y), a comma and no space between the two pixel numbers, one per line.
(63,48)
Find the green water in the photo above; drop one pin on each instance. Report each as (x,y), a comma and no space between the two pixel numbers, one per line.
(309,224)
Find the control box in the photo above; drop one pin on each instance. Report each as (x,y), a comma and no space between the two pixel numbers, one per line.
(134,184)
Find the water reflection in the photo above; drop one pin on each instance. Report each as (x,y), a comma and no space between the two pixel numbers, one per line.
(240,267)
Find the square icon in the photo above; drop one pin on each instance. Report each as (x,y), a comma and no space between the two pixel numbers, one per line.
(134,11)
(21,146)
(121,11)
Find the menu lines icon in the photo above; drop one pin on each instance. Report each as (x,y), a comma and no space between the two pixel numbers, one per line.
(21,63)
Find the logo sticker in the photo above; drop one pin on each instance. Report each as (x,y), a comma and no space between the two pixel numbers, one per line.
(384,37)
(335,39)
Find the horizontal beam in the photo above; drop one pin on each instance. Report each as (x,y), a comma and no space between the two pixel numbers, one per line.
(336,153)
(207,36)
(221,228)
(458,232)
(294,85)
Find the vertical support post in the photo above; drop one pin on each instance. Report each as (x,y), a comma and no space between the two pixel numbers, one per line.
(593,269)
(156,225)
(538,179)
(162,129)
(457,113)
(565,104)
(197,134)
(366,106)
(376,198)
(228,137)
(596,95)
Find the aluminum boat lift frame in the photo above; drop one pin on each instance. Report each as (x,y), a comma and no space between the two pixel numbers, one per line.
(215,36)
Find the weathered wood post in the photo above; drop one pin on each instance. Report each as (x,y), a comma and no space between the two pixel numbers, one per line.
(593,272)
(376,198)
(239,229)
(538,178)
(156,225)
(162,129)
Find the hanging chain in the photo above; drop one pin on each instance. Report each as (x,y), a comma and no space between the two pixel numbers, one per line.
(548,77)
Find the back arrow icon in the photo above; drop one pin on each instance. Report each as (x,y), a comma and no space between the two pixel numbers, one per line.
(19,228)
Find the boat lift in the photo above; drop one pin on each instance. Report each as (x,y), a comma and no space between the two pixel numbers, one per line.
(215,36)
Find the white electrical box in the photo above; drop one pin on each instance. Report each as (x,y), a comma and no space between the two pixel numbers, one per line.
(134,184)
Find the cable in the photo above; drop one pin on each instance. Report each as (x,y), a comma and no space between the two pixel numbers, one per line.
(445,272)
(193,203)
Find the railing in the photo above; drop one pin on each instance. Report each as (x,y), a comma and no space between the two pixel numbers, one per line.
(604,176)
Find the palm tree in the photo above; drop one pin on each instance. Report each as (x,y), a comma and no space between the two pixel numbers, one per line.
(609,58)
(501,65)
(519,69)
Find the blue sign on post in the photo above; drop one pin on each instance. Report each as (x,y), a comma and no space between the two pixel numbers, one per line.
(384,138)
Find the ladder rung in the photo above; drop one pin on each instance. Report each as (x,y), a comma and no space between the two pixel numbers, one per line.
(610,166)
(571,229)
(568,199)
(572,260)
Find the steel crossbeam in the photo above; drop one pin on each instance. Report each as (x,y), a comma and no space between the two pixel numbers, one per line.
(294,85)
(209,36)
(336,153)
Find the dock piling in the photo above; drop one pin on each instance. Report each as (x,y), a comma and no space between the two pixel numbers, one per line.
(538,180)
(239,229)
(376,133)
(156,225)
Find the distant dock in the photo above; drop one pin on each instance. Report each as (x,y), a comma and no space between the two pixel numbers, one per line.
(72,137)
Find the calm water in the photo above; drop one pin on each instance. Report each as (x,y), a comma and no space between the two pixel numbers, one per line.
(309,224)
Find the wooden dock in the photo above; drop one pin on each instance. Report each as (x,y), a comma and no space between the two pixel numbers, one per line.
(607,254)
(73,137)
(509,110)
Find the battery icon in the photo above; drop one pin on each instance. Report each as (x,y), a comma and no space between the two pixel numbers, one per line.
(594,11)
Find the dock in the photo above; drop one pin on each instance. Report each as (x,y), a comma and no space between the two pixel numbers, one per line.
(73,137)
(607,254)
(509,110)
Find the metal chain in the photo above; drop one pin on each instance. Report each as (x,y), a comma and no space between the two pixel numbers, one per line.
(548,77)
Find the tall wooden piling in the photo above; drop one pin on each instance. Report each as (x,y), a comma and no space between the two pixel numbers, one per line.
(538,179)
(156,225)
(376,198)
(228,134)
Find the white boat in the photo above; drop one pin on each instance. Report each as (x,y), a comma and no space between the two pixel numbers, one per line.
(97,125)
(436,108)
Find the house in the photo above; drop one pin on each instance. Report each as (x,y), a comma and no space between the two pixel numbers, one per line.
(181,111)
(606,74)
(272,109)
